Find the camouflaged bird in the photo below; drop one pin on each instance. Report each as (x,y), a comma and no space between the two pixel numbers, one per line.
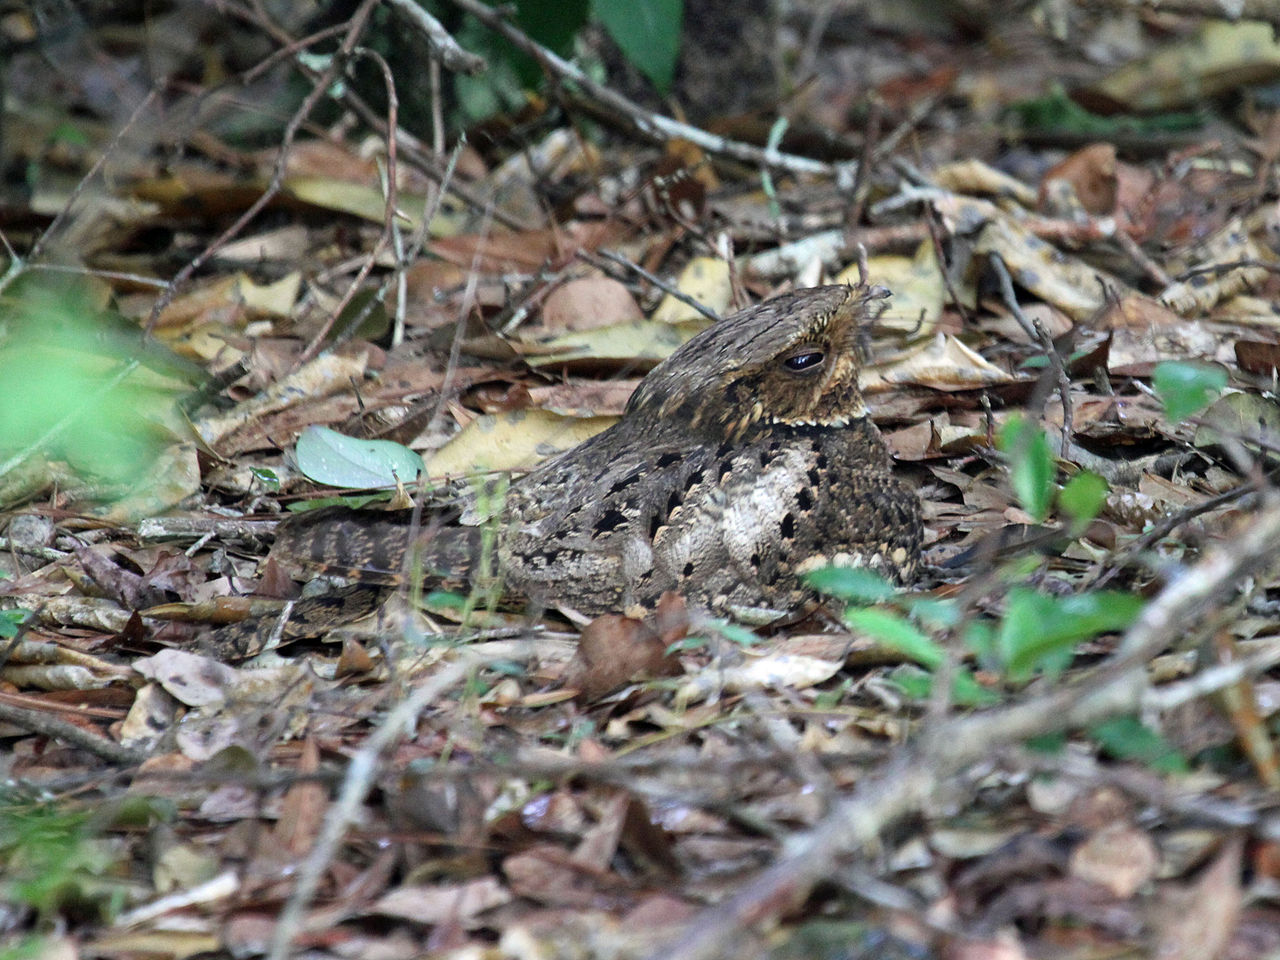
(743,460)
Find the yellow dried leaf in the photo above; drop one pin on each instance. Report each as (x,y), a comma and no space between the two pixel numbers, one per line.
(705,279)
(517,440)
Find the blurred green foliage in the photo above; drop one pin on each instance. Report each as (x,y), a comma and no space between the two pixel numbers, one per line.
(80,385)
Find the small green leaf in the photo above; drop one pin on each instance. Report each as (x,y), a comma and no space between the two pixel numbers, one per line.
(1048,743)
(1127,738)
(648,33)
(444,600)
(932,612)
(896,633)
(1039,632)
(1082,498)
(1031,466)
(327,456)
(917,684)
(1186,388)
(266,477)
(856,584)
(11,621)
(734,632)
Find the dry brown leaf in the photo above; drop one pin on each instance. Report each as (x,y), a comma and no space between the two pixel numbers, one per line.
(1090,176)
(1120,857)
(585,303)
(443,903)
(1196,922)
(975,178)
(615,650)
(943,364)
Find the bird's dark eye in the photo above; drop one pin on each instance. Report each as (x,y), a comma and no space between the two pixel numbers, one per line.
(804,360)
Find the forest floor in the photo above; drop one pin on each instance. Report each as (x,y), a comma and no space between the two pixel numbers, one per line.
(1060,741)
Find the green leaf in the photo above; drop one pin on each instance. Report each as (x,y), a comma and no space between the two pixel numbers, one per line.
(1031,466)
(1187,388)
(1039,632)
(327,456)
(1082,498)
(647,32)
(917,684)
(932,612)
(851,583)
(266,477)
(896,633)
(444,600)
(733,632)
(1127,738)
(11,621)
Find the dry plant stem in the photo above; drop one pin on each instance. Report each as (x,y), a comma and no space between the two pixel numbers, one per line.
(355,787)
(910,783)
(658,282)
(443,46)
(319,89)
(38,247)
(1155,273)
(41,723)
(932,221)
(1230,265)
(858,192)
(1037,332)
(389,212)
(414,149)
(659,128)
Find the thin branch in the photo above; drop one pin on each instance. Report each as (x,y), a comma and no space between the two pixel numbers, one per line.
(389,207)
(319,89)
(444,48)
(658,282)
(1036,331)
(653,125)
(39,722)
(355,787)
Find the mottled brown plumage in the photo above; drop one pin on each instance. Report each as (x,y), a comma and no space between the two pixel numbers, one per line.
(743,460)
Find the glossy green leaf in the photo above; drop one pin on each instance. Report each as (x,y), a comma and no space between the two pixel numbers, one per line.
(1039,632)
(917,684)
(647,32)
(329,457)
(1128,739)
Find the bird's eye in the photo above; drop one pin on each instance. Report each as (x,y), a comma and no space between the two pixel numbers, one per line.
(804,360)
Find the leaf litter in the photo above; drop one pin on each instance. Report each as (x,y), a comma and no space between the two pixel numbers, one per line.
(598,789)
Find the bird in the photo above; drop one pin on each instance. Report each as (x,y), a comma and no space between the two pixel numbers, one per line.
(744,460)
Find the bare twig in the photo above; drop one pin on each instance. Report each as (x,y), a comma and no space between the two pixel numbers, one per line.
(657,281)
(1266,10)
(389,213)
(37,721)
(1036,331)
(355,787)
(320,88)
(444,48)
(80,187)
(652,125)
